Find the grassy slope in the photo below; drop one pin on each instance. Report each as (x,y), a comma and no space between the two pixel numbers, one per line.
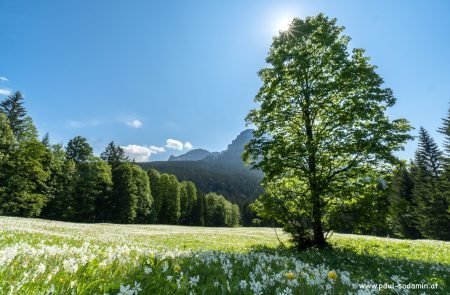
(107,256)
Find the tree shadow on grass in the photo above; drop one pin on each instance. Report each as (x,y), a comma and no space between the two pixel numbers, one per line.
(366,266)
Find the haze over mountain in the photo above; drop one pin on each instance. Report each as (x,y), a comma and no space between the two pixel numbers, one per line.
(222,172)
(193,155)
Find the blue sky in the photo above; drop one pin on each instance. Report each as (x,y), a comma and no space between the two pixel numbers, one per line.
(143,72)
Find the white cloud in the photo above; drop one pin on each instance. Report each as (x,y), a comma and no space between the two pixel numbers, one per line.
(4,79)
(5,92)
(156,149)
(80,124)
(134,123)
(174,144)
(141,153)
(178,145)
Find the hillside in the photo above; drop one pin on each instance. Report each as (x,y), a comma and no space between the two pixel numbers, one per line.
(194,155)
(223,172)
(50,257)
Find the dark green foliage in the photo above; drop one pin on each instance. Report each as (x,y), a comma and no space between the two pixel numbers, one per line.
(237,184)
(445,178)
(23,172)
(24,185)
(46,140)
(114,155)
(61,186)
(401,218)
(183,202)
(169,193)
(144,196)
(428,155)
(79,150)
(154,177)
(235,215)
(198,212)
(321,127)
(191,201)
(131,194)
(21,125)
(7,141)
(430,196)
(188,198)
(93,188)
(365,213)
(41,179)
(219,211)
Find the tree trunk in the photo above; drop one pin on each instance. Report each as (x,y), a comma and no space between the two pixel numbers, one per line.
(319,239)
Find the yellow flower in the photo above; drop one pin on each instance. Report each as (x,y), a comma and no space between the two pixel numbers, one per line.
(332,275)
(176,268)
(290,275)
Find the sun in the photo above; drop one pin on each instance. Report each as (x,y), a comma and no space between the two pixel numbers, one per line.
(283,24)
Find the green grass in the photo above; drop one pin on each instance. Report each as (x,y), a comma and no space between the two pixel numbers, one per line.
(47,257)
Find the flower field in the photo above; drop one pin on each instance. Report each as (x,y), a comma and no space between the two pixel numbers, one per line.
(48,257)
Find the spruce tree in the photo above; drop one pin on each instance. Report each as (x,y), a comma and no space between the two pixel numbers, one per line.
(21,124)
(114,155)
(431,205)
(401,209)
(445,179)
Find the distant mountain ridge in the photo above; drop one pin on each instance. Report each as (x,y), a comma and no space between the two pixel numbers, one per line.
(222,172)
(193,155)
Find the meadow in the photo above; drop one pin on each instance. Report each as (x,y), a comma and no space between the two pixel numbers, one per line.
(49,257)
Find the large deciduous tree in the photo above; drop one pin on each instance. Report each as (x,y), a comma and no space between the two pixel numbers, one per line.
(321,128)
(132,199)
(79,150)
(169,194)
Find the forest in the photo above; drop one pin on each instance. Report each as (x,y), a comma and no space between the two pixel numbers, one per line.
(40,179)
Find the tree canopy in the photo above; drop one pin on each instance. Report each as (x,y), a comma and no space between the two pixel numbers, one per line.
(321,128)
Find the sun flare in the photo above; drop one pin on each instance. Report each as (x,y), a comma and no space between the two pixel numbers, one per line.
(284,24)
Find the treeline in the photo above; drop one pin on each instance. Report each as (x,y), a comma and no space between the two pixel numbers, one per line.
(235,182)
(420,195)
(39,179)
(413,202)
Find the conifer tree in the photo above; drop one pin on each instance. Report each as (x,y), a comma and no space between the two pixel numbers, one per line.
(431,206)
(79,150)
(114,155)
(154,179)
(401,209)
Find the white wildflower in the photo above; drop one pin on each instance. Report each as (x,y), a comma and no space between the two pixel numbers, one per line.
(41,268)
(148,270)
(194,280)
(243,284)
